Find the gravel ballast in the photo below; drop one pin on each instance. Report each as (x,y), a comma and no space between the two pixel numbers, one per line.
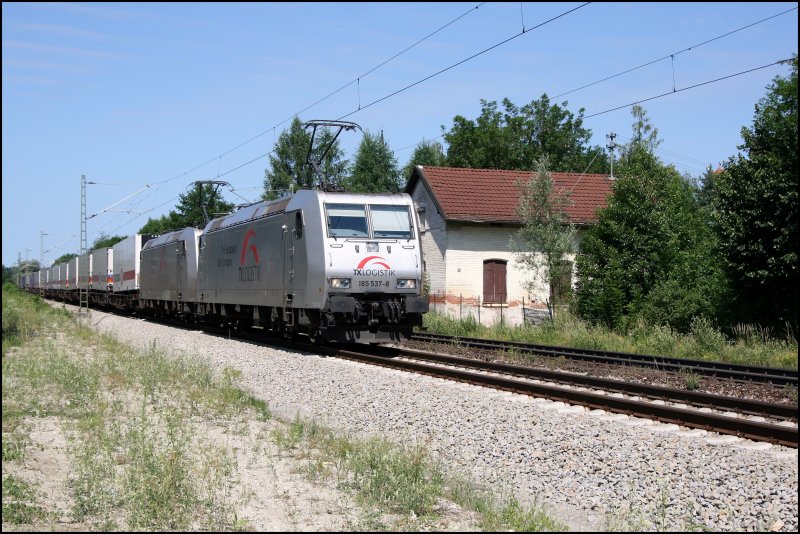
(590,469)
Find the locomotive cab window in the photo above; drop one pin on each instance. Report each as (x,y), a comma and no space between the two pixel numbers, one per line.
(391,221)
(347,220)
(298,225)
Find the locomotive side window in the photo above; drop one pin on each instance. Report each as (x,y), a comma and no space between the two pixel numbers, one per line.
(347,220)
(391,221)
(298,225)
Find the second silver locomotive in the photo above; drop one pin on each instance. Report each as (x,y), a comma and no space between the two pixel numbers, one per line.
(343,266)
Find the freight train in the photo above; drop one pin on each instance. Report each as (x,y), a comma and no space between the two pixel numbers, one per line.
(332,265)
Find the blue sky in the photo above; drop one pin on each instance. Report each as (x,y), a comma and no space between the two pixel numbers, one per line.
(146,94)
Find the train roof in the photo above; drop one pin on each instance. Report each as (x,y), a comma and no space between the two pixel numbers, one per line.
(171,237)
(267,208)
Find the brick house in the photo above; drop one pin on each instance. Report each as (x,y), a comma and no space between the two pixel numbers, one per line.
(468,218)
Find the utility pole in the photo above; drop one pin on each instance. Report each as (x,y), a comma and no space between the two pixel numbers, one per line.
(611,145)
(25,267)
(42,272)
(83,289)
(41,250)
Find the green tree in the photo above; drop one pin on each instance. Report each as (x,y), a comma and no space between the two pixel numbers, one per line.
(189,211)
(651,254)
(24,268)
(162,225)
(375,167)
(754,208)
(643,134)
(426,153)
(64,258)
(201,204)
(106,241)
(289,168)
(706,191)
(547,235)
(517,137)
(9,275)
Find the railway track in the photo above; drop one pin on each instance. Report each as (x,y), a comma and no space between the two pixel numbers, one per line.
(743,373)
(740,417)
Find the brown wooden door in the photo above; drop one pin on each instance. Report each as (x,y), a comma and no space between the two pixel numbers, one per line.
(494,281)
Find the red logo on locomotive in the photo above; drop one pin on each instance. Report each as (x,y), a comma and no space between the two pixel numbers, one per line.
(249,273)
(370,258)
(250,233)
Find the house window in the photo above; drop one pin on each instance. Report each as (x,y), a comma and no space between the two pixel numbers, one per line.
(494,281)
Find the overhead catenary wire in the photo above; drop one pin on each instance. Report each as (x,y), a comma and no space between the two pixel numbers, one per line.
(486,50)
(693,167)
(674,91)
(428,77)
(273,128)
(409,86)
(144,213)
(120,202)
(332,93)
(673,54)
(523,32)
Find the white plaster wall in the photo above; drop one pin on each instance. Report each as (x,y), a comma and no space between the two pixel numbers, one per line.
(468,246)
(433,233)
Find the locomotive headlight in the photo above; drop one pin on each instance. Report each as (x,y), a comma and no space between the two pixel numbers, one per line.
(406,283)
(340,283)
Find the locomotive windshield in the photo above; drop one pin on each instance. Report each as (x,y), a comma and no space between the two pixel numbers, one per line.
(350,220)
(390,221)
(347,220)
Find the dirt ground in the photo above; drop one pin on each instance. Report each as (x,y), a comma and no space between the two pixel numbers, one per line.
(272,487)
(272,491)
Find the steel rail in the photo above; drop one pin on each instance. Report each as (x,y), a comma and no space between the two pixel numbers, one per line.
(746,373)
(736,426)
(744,428)
(694,398)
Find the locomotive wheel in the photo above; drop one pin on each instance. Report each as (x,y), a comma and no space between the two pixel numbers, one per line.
(314,337)
(289,334)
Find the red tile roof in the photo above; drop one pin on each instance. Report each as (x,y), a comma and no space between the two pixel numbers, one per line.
(489,195)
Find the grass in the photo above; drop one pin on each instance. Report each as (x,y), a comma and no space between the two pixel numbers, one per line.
(404,481)
(137,461)
(127,415)
(751,346)
(19,502)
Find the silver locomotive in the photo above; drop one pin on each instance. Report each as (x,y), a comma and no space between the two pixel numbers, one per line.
(340,266)
(345,266)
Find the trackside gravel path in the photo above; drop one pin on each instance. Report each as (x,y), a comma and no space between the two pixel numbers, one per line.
(591,470)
